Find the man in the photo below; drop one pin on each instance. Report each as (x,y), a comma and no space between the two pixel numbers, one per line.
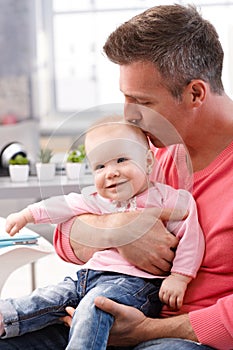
(171,62)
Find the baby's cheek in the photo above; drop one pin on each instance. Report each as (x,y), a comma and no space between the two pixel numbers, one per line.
(99,183)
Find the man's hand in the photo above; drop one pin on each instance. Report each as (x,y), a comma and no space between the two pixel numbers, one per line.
(153,248)
(132,327)
(68,319)
(129,322)
(154,251)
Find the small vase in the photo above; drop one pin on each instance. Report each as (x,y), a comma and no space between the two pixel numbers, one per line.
(45,171)
(73,170)
(19,173)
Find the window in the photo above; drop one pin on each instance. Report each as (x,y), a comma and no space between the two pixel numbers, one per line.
(79,76)
(83,76)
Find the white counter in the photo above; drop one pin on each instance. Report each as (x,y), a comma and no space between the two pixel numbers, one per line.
(13,257)
(34,188)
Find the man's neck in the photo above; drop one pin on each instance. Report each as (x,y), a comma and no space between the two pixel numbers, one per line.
(201,158)
(212,131)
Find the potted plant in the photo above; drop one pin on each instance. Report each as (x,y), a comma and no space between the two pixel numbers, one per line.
(19,168)
(44,168)
(74,162)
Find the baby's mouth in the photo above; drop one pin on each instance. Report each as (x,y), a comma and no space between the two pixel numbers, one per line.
(116,184)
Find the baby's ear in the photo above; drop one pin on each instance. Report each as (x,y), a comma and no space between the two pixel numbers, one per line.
(149,161)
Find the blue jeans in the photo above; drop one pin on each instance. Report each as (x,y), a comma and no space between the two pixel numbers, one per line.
(171,344)
(56,337)
(90,325)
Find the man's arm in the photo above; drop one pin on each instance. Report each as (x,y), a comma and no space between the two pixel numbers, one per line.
(132,327)
(139,236)
(211,326)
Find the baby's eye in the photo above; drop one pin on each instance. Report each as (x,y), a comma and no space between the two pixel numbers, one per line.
(99,166)
(122,159)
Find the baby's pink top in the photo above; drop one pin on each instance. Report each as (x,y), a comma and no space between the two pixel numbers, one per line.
(190,250)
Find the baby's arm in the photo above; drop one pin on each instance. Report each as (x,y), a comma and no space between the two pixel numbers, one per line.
(16,221)
(189,252)
(173,289)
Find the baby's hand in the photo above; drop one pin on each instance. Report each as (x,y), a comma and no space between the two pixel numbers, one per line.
(173,289)
(17,221)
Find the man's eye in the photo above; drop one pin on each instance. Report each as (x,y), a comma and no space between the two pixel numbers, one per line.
(122,159)
(143,103)
(99,166)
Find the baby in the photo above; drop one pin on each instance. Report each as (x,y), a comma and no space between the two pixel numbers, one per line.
(121,161)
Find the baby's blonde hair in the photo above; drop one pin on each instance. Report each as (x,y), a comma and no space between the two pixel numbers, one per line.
(114,120)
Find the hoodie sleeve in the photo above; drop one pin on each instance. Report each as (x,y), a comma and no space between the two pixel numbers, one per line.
(214,325)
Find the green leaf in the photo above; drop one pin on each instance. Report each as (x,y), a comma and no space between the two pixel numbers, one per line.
(77,156)
(45,155)
(19,160)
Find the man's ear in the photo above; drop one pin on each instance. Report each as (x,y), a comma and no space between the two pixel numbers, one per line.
(149,161)
(195,92)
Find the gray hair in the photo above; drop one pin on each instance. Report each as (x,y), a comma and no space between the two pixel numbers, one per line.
(177,40)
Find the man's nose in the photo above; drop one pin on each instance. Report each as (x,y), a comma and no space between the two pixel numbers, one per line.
(132,112)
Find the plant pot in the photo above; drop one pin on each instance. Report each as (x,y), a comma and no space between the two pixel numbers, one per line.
(73,170)
(19,173)
(45,171)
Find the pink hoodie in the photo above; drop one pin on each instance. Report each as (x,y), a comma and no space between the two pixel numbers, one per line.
(209,297)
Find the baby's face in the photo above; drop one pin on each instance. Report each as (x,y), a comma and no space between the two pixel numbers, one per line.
(118,159)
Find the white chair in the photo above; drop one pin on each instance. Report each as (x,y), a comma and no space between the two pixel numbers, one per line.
(13,257)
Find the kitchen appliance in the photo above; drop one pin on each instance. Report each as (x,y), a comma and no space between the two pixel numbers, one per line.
(20,138)
(10,151)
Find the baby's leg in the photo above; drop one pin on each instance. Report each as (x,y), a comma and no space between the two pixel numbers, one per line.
(91,326)
(41,308)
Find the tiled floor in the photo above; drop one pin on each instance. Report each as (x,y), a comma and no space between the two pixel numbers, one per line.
(48,270)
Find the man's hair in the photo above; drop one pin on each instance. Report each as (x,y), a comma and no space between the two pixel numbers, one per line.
(177,40)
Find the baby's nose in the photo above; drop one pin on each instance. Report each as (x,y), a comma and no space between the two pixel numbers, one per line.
(112,172)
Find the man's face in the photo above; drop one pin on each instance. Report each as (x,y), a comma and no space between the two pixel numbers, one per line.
(150,105)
